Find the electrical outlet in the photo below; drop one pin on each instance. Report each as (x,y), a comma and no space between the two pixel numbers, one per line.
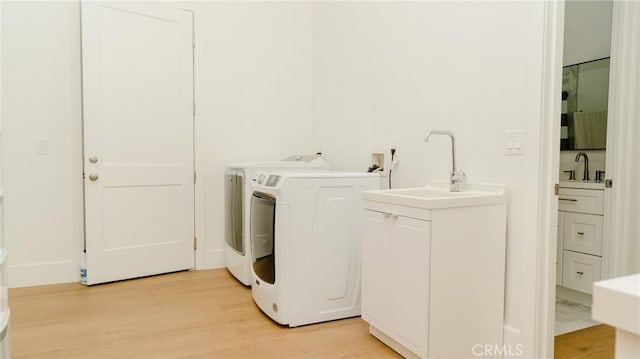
(378,159)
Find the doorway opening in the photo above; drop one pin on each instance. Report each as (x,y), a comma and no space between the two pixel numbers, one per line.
(580,252)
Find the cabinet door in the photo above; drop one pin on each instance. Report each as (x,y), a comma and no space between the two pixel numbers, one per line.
(395,277)
(409,289)
(583,233)
(376,269)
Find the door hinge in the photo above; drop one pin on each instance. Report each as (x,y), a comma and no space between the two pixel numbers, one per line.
(194,177)
(193,41)
(556,189)
(608,183)
(194,109)
(195,243)
(83,175)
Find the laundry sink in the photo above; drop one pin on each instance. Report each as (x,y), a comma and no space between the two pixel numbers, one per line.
(437,195)
(433,246)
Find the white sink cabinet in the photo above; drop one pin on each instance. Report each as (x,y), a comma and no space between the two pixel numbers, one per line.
(433,278)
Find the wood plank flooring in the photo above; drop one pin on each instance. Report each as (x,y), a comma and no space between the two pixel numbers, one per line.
(590,343)
(197,314)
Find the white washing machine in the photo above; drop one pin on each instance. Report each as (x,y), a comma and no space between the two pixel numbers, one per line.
(237,188)
(305,239)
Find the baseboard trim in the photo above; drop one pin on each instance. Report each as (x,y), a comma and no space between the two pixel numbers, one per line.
(392,343)
(214,258)
(574,296)
(29,275)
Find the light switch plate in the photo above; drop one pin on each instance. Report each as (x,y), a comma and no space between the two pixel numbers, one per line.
(514,142)
(42,146)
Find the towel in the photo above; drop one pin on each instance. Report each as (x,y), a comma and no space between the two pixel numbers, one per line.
(590,129)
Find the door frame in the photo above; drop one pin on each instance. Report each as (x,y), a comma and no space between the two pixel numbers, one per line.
(553,43)
(624,84)
(621,128)
(199,135)
(199,139)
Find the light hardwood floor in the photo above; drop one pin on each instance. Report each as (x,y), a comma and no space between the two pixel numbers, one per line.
(197,314)
(590,343)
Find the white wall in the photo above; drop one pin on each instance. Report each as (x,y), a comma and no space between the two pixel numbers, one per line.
(274,79)
(257,102)
(386,73)
(253,88)
(587,31)
(253,94)
(41,107)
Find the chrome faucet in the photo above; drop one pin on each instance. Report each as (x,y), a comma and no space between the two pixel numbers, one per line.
(585,176)
(457,176)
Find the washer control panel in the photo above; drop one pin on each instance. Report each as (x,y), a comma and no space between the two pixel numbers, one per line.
(272,181)
(268,180)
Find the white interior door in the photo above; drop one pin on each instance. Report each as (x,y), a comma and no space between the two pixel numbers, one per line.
(138,139)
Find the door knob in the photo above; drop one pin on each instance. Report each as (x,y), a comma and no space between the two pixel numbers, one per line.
(93,159)
(93,177)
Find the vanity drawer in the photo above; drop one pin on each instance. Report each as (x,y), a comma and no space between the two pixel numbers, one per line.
(583,233)
(580,271)
(581,200)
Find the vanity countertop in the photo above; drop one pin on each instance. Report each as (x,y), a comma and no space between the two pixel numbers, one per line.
(582,184)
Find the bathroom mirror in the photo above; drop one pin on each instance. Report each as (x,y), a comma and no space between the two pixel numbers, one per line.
(585,93)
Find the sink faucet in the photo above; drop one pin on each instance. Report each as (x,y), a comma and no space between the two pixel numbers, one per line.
(585,176)
(457,176)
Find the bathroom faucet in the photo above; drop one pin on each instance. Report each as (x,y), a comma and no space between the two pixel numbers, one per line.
(457,176)
(585,176)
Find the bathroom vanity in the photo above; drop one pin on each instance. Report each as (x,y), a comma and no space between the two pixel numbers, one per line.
(433,266)
(580,235)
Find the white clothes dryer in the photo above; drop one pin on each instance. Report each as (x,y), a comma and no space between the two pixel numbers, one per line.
(237,189)
(305,239)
